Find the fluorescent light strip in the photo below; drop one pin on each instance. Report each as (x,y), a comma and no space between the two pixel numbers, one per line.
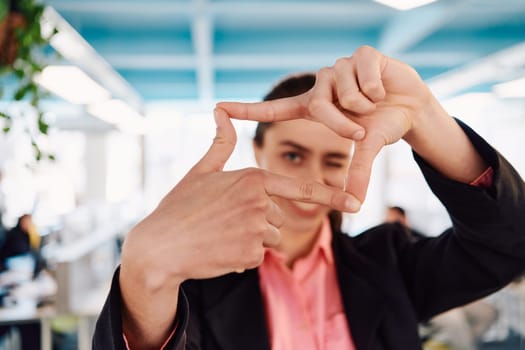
(404,5)
(73,47)
(120,114)
(511,89)
(71,84)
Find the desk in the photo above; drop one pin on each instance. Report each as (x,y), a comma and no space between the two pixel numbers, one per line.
(26,312)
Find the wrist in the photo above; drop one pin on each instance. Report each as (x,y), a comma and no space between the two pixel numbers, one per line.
(426,124)
(143,263)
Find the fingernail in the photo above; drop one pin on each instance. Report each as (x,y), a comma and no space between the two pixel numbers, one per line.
(352,204)
(218,120)
(358,135)
(215,116)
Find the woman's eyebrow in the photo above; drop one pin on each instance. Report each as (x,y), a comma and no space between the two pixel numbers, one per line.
(294,145)
(336,155)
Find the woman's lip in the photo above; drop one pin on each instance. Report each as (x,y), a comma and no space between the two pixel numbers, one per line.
(305,209)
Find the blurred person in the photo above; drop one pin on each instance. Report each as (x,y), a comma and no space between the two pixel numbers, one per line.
(461,328)
(396,214)
(508,330)
(236,260)
(2,210)
(21,239)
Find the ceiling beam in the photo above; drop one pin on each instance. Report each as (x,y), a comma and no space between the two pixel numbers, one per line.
(202,33)
(328,8)
(266,61)
(408,28)
(500,66)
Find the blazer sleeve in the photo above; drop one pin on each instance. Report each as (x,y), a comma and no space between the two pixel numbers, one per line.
(485,248)
(108,330)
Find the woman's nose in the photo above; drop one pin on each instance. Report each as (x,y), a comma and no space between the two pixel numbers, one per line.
(316,173)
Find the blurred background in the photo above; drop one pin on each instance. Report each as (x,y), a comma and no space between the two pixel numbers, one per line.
(112,107)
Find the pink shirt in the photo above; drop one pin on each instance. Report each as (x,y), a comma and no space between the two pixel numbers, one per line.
(304,307)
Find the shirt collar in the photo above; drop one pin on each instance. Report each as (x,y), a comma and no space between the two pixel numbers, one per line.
(323,245)
(325,241)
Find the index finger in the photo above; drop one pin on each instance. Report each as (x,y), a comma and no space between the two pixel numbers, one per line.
(268,111)
(310,191)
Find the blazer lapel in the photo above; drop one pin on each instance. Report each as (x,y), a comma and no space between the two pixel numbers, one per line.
(363,301)
(237,320)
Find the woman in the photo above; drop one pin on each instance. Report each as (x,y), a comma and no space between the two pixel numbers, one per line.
(21,239)
(316,288)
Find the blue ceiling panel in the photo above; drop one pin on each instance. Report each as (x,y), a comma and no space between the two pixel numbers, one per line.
(214,49)
(251,85)
(163,84)
(427,73)
(139,41)
(483,41)
(485,87)
(292,41)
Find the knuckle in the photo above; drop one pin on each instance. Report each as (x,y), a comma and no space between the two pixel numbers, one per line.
(258,211)
(257,228)
(370,87)
(274,236)
(306,190)
(279,221)
(272,113)
(324,72)
(253,176)
(316,106)
(340,62)
(349,98)
(263,205)
(255,257)
(364,50)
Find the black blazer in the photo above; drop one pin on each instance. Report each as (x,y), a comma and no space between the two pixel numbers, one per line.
(388,283)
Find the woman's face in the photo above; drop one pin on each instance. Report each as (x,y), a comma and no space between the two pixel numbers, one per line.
(308,150)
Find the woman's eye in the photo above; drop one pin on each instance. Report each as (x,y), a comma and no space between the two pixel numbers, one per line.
(292,157)
(334,165)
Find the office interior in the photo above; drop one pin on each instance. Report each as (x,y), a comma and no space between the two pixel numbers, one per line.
(130,86)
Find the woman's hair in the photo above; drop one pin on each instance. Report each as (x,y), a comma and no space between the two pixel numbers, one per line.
(292,86)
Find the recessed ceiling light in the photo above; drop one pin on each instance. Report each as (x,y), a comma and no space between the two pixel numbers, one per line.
(404,5)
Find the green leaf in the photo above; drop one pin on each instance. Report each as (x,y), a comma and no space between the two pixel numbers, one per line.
(6,129)
(37,150)
(4,9)
(22,92)
(35,96)
(5,115)
(43,126)
(51,157)
(19,73)
(36,66)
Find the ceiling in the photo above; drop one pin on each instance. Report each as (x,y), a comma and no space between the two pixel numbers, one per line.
(203,50)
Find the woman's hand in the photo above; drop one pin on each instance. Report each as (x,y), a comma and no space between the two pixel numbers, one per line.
(374,100)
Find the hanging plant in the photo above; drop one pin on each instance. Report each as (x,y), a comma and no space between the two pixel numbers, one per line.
(21,47)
